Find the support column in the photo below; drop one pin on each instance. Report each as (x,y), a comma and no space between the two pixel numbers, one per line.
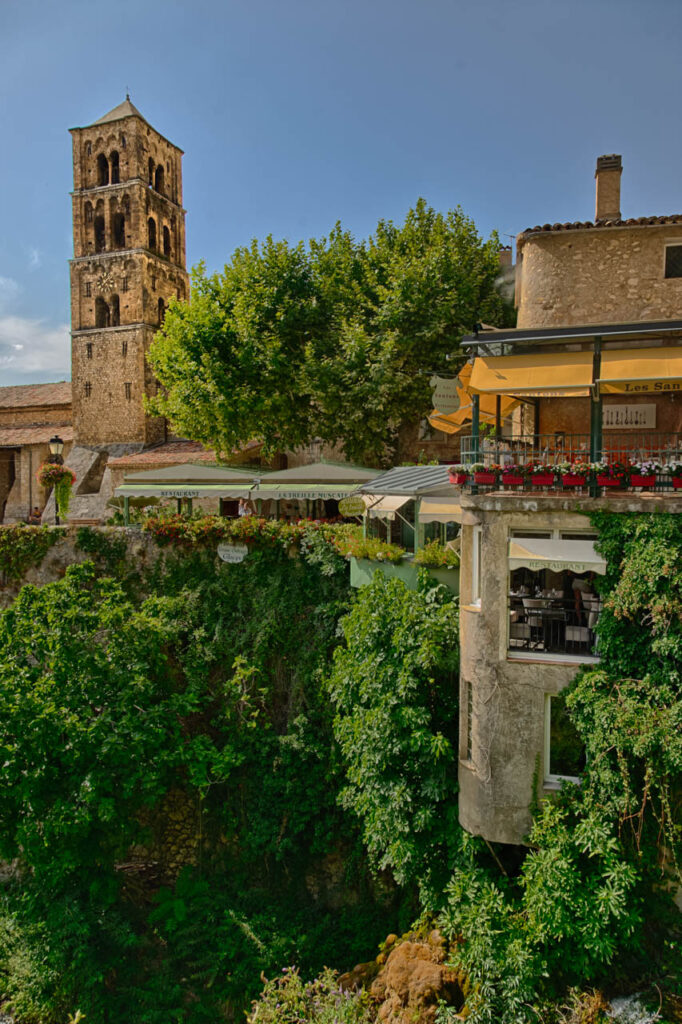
(596,406)
(126,510)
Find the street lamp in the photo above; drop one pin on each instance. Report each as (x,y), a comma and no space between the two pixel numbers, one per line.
(55,457)
(56,448)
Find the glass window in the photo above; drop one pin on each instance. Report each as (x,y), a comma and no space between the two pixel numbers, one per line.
(673,261)
(564,751)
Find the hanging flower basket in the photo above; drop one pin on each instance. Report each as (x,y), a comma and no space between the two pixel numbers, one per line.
(62,479)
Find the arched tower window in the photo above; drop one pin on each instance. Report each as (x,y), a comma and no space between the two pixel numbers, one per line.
(102,313)
(119,231)
(162,311)
(150,168)
(151,230)
(114,168)
(115,307)
(102,170)
(166,242)
(158,179)
(100,240)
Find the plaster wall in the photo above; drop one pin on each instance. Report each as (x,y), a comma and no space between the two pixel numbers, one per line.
(597,275)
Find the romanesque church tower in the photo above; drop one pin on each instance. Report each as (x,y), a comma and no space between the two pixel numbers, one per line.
(129,260)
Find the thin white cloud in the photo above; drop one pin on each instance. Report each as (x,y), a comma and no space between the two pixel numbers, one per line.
(34,258)
(32,347)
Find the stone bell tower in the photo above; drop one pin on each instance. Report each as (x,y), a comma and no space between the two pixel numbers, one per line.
(128,261)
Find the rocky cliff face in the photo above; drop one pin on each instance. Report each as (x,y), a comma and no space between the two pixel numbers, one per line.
(408,980)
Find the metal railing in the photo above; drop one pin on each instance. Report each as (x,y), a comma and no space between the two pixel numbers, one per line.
(553,625)
(552,449)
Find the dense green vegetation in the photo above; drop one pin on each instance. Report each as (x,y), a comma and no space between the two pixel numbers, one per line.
(116,695)
(336,339)
(309,737)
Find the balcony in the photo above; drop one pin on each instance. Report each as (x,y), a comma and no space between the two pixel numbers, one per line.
(553,625)
(648,461)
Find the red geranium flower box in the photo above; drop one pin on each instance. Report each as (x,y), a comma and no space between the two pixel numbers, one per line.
(512,479)
(636,480)
(542,479)
(484,478)
(458,478)
(677,483)
(604,480)
(573,480)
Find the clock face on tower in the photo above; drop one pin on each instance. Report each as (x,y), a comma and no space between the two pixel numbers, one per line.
(105,281)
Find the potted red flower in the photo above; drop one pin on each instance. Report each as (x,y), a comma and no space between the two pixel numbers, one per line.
(673,470)
(484,474)
(458,474)
(513,476)
(573,474)
(643,474)
(541,475)
(608,474)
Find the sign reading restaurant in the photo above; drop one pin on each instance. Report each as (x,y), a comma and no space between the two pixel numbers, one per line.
(184,493)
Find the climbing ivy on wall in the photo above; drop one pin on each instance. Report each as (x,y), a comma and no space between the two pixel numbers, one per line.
(21,548)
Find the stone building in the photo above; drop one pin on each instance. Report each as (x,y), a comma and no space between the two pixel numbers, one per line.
(30,415)
(129,260)
(596,365)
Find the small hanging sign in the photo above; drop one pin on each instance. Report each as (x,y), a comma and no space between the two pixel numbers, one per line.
(445,394)
(353,506)
(232,553)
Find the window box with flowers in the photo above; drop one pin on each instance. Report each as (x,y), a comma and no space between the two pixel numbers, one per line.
(459,474)
(643,474)
(673,472)
(540,475)
(483,474)
(513,476)
(573,474)
(609,474)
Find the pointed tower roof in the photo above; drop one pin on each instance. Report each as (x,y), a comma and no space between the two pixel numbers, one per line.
(125,109)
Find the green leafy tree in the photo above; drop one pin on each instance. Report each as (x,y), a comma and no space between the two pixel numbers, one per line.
(336,339)
(394,687)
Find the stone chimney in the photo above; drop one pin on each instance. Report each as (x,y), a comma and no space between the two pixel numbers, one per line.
(609,170)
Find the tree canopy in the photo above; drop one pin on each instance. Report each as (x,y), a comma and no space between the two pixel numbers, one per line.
(336,339)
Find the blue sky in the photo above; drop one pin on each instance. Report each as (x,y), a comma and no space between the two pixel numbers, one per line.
(296,113)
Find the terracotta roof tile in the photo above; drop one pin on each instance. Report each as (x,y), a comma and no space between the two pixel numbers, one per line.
(172,453)
(582,225)
(13,437)
(19,396)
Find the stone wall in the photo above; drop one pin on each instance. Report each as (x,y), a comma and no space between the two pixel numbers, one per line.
(596,276)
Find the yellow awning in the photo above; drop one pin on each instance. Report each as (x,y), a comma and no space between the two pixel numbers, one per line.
(641,371)
(384,506)
(534,375)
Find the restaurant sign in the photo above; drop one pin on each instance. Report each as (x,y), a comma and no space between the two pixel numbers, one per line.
(641,387)
(445,394)
(618,417)
(184,493)
(354,506)
(232,553)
